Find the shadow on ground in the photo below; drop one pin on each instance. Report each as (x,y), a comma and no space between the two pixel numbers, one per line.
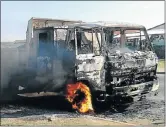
(35,106)
(41,106)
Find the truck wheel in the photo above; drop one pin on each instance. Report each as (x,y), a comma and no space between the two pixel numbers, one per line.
(142,98)
(100,104)
(120,104)
(80,97)
(120,108)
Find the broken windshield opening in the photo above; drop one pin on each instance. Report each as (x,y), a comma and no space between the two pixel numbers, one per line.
(129,39)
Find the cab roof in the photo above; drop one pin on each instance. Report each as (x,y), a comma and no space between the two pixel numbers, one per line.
(103,24)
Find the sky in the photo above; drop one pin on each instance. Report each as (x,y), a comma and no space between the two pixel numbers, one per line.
(15,14)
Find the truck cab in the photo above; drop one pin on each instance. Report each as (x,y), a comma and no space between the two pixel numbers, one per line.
(115,60)
(131,62)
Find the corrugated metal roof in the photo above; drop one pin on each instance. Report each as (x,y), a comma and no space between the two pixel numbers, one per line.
(160,26)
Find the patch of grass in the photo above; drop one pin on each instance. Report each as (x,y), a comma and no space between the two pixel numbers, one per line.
(161,64)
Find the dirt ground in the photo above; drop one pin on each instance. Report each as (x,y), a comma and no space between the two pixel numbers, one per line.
(61,122)
(55,111)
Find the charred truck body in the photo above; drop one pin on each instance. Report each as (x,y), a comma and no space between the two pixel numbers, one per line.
(101,55)
(114,68)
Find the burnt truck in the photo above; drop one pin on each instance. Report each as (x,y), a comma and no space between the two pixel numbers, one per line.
(115,60)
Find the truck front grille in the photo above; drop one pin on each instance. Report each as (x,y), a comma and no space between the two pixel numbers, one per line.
(133,79)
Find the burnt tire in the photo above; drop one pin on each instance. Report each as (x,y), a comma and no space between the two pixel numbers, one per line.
(120,104)
(107,105)
(80,97)
(142,98)
(99,106)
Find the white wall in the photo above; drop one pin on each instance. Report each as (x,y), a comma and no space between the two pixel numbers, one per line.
(13,60)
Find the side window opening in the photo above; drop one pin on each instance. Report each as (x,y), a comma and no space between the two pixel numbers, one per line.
(60,37)
(136,40)
(90,42)
(87,41)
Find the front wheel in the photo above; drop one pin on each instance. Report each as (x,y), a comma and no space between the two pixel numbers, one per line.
(120,108)
(80,97)
(120,104)
(113,104)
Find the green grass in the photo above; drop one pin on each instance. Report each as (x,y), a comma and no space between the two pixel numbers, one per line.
(161,64)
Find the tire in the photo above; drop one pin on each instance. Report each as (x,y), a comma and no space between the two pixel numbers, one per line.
(79,97)
(142,98)
(99,106)
(121,108)
(120,104)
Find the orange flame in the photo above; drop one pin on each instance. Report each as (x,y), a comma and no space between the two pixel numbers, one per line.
(79,96)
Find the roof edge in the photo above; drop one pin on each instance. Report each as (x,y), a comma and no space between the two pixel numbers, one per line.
(51,19)
(156,26)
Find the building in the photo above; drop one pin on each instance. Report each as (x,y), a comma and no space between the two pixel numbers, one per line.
(157,37)
(157,34)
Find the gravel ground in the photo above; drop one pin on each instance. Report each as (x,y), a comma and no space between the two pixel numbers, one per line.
(150,110)
(147,112)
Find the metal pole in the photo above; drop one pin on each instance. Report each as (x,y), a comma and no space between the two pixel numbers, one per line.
(75,36)
(56,41)
(92,41)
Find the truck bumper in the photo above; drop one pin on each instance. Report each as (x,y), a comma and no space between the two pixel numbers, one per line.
(137,89)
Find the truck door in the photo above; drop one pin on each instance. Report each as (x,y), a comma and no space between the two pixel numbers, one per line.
(89,60)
